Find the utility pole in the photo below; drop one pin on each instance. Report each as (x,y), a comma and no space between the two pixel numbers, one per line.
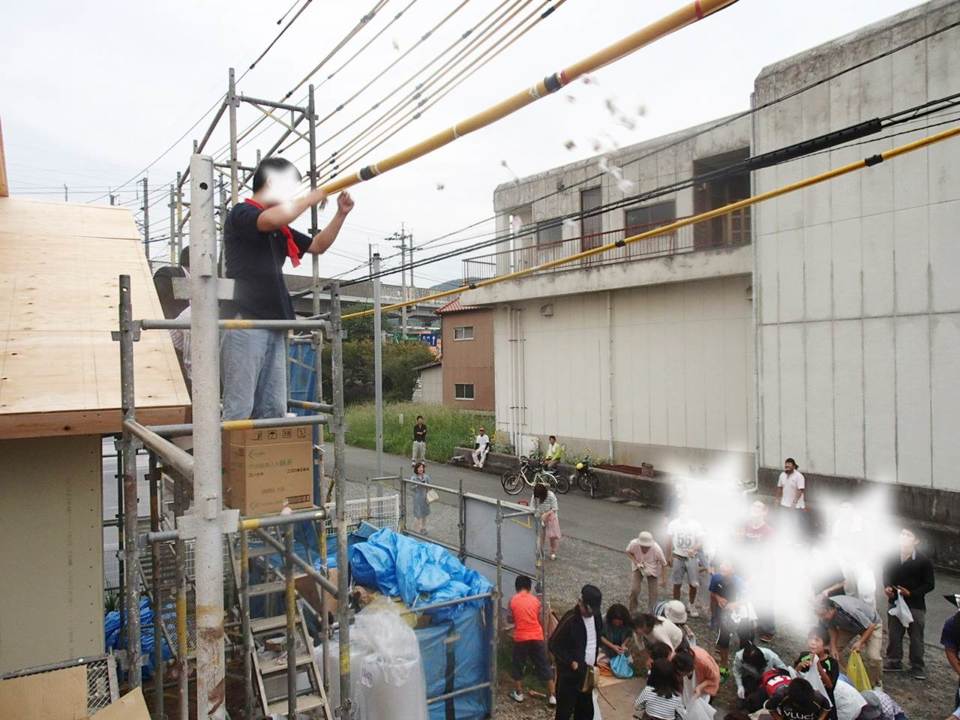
(179,216)
(402,236)
(173,227)
(146,222)
(377,356)
(66,196)
(113,198)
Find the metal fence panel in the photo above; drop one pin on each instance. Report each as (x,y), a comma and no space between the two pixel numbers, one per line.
(518,541)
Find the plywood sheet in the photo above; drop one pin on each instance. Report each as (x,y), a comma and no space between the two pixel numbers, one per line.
(57,695)
(131,706)
(51,551)
(59,269)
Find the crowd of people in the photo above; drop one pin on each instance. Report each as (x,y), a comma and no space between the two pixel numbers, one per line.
(837,676)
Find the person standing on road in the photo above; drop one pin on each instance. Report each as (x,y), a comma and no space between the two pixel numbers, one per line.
(546,509)
(421,505)
(683,548)
(419,440)
(908,578)
(950,641)
(791,491)
(574,646)
(481,446)
(849,618)
(528,640)
(733,615)
(647,562)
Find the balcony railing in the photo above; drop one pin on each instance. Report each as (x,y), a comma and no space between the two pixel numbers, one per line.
(729,230)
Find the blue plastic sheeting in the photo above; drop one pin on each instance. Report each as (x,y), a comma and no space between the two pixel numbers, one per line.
(305,544)
(303,379)
(114,641)
(456,654)
(419,573)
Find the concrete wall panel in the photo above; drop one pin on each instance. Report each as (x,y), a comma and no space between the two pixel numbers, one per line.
(819,411)
(793,392)
(913,401)
(817,272)
(770,395)
(945,369)
(879,399)
(791,271)
(878,269)
(847,265)
(944,220)
(912,260)
(848,397)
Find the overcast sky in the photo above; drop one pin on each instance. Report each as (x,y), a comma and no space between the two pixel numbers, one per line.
(94,90)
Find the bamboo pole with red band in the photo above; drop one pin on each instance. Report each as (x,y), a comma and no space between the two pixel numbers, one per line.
(692,220)
(676,20)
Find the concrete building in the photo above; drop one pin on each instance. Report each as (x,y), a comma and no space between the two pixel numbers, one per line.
(823,325)
(467,342)
(429,387)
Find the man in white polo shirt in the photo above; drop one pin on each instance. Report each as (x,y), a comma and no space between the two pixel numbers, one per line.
(791,487)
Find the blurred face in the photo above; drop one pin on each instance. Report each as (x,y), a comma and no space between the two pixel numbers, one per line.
(726,569)
(908,541)
(282,186)
(618,622)
(420,469)
(789,467)
(815,644)
(585,609)
(482,431)
(758,513)
(553,439)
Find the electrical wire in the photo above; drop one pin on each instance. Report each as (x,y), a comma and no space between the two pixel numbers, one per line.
(910,115)
(732,118)
(453,83)
(279,35)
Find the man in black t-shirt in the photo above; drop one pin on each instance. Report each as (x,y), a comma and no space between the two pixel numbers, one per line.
(257,243)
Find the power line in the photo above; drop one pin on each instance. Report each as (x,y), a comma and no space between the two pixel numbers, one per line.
(824,143)
(726,121)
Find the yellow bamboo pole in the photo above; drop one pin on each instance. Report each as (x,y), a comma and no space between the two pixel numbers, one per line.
(687,15)
(684,222)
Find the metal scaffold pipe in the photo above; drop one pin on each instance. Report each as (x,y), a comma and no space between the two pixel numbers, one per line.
(128,463)
(205,359)
(183,429)
(686,15)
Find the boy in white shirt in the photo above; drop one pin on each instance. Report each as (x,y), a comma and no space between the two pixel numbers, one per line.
(481,446)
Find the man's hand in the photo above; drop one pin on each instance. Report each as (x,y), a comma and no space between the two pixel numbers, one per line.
(890,592)
(903,591)
(697,692)
(344,203)
(574,665)
(722,602)
(317,197)
(741,693)
(857,646)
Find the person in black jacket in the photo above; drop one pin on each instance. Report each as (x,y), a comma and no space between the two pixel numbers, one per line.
(909,576)
(574,646)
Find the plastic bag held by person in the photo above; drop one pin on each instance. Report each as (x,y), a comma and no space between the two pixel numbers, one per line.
(857,672)
(812,675)
(901,612)
(848,701)
(700,709)
(621,666)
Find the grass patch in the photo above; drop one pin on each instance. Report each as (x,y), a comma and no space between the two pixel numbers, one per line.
(446,428)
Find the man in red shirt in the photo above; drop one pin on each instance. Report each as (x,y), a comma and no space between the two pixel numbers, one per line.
(528,640)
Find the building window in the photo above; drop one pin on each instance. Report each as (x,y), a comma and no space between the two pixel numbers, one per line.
(464,332)
(549,232)
(647,217)
(463,392)
(591,227)
(730,229)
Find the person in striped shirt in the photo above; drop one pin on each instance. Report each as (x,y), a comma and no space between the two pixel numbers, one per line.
(660,699)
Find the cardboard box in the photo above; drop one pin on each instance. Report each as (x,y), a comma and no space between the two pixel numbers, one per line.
(262,469)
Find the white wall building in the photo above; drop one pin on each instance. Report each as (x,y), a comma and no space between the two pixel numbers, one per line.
(823,325)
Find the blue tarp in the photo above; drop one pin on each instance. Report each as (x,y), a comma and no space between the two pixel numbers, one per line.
(455,655)
(114,641)
(419,573)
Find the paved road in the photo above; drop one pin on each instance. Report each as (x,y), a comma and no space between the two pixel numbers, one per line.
(599,522)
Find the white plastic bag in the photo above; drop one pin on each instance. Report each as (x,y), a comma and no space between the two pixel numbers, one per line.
(391,673)
(596,706)
(812,675)
(901,612)
(700,709)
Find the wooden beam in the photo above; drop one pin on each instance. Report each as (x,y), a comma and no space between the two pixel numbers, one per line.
(84,422)
(4,185)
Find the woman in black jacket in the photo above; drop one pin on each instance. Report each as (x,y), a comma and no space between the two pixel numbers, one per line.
(574,645)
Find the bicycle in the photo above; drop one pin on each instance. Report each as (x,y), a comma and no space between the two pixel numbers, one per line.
(530,473)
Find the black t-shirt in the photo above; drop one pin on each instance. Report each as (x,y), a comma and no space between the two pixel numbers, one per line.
(790,710)
(420,433)
(255,261)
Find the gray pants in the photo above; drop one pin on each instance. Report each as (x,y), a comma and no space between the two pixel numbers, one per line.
(254,367)
(915,630)
(419,451)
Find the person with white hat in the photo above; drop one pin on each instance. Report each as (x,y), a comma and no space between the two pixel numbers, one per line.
(881,706)
(647,561)
(676,612)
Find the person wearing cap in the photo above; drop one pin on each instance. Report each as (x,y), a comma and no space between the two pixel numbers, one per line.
(481,446)
(574,646)
(647,561)
(881,706)
(650,630)
(950,640)
(675,612)
(908,578)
